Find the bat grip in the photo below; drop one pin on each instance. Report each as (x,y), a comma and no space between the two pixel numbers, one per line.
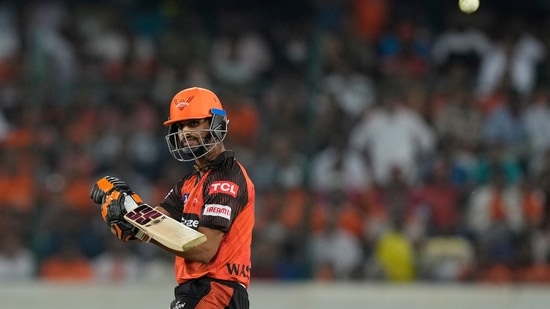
(129,203)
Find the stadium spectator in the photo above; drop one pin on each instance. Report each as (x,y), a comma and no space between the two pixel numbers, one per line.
(461,43)
(393,136)
(327,246)
(17,261)
(495,220)
(514,57)
(239,55)
(439,199)
(505,125)
(339,168)
(281,166)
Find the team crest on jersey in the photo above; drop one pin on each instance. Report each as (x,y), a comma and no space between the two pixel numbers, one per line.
(224,187)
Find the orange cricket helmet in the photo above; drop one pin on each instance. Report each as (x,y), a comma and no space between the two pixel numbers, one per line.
(195,103)
(192,103)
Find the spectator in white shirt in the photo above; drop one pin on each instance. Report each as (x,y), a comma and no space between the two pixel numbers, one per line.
(393,136)
(340,168)
(514,57)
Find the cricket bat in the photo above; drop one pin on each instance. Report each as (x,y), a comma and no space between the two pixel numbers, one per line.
(165,230)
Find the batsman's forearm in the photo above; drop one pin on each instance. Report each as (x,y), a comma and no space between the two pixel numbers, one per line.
(195,254)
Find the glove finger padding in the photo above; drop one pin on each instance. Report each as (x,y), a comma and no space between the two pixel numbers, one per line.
(105,186)
(119,184)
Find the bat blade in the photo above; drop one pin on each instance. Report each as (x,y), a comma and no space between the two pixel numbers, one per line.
(165,230)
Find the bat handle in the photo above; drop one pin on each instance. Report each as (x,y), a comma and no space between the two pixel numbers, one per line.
(129,203)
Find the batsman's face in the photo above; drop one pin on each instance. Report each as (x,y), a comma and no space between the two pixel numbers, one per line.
(192,132)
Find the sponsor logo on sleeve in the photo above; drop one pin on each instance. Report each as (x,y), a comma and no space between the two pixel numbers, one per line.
(225,187)
(216,210)
(190,220)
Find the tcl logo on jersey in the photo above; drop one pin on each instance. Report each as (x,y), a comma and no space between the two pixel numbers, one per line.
(216,210)
(225,187)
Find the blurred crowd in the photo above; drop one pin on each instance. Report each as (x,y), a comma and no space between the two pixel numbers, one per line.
(388,140)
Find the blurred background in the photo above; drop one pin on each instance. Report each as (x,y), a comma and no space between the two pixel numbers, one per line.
(389,141)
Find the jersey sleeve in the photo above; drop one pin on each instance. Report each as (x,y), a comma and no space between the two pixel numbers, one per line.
(225,195)
(173,201)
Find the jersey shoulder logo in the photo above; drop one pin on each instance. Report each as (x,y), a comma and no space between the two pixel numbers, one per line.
(224,187)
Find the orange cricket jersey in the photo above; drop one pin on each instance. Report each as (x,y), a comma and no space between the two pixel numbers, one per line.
(223,199)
